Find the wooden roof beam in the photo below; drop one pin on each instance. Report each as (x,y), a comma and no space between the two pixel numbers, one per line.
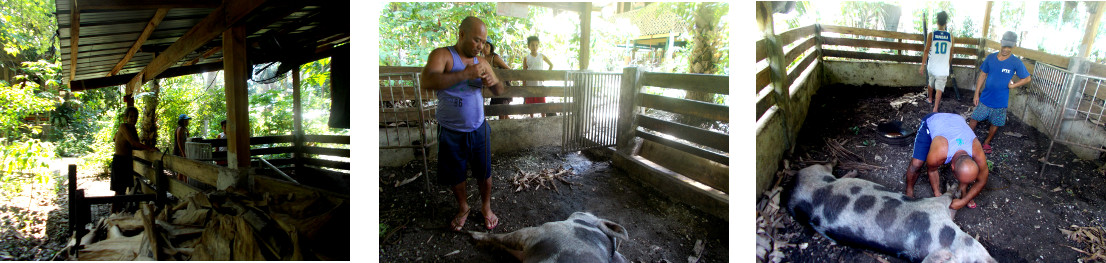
(150,26)
(212,26)
(209,52)
(147,4)
(75,33)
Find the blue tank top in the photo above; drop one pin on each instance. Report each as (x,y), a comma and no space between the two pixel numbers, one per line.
(461,107)
(954,129)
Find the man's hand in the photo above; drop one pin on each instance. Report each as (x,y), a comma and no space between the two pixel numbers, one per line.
(487,75)
(922,69)
(976,100)
(472,71)
(958,203)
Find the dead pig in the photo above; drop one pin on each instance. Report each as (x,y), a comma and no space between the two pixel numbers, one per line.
(867,215)
(582,237)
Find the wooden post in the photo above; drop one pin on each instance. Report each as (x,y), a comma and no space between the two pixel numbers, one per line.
(236,69)
(627,110)
(585,36)
(1092,29)
(297,121)
(982,51)
(777,70)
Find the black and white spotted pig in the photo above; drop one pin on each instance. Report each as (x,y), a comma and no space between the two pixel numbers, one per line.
(580,238)
(864,214)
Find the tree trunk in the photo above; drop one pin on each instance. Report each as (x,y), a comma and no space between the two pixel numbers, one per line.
(704,54)
(148,136)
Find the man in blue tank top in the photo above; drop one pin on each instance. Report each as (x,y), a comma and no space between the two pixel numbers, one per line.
(944,138)
(458,77)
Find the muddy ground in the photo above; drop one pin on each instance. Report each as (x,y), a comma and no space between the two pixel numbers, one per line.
(415,223)
(1021,211)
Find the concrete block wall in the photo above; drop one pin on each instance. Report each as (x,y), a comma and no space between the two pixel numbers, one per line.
(506,136)
(775,133)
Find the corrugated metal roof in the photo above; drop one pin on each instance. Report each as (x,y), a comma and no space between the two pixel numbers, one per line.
(107,35)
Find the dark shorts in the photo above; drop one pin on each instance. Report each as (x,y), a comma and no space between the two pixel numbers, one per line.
(122,172)
(922,140)
(459,151)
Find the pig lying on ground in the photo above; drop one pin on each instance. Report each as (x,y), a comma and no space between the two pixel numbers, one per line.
(867,215)
(580,238)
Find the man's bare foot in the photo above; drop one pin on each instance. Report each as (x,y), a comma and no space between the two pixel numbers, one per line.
(909,192)
(459,220)
(490,220)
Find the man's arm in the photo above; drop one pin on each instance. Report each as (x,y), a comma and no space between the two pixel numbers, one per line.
(543,57)
(1021,71)
(179,143)
(498,61)
(131,136)
(434,75)
(1024,81)
(491,81)
(979,86)
(980,180)
(925,54)
(524,64)
(952,43)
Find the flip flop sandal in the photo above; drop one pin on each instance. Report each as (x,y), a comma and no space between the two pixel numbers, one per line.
(972,205)
(987,148)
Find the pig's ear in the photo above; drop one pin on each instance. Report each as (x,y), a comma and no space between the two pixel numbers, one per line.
(613,229)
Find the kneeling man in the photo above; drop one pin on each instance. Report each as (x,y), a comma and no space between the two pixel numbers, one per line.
(945,138)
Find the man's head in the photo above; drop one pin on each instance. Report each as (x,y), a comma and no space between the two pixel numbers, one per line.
(964,167)
(223,125)
(532,42)
(1009,40)
(942,18)
(472,36)
(182,120)
(130,115)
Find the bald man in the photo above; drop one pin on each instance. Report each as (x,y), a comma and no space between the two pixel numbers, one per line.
(945,138)
(459,76)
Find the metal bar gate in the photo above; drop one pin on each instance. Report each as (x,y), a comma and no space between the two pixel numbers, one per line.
(405,118)
(591,108)
(1068,99)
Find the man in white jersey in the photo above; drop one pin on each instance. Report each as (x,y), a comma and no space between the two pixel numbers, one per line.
(938,57)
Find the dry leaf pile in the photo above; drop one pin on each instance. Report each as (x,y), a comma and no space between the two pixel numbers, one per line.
(848,160)
(527,180)
(221,226)
(770,217)
(1092,238)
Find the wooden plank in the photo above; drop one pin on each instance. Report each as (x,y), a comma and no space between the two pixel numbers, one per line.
(326,151)
(786,38)
(88,84)
(674,185)
(1097,70)
(701,170)
(339,139)
(852,42)
(799,50)
(872,33)
(718,158)
(206,54)
(270,151)
(273,139)
(221,19)
(326,163)
(297,117)
(688,133)
(530,75)
(526,91)
(280,187)
(761,52)
(686,107)
(504,109)
(389,70)
(765,102)
(75,31)
(1091,30)
(146,4)
(410,114)
(585,35)
(799,69)
(717,84)
(627,108)
(236,68)
(150,26)
(763,78)
(201,171)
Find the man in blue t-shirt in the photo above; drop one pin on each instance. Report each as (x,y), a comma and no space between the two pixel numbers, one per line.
(998,69)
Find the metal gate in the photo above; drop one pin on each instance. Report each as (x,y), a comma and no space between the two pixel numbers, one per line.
(1073,99)
(406,117)
(591,106)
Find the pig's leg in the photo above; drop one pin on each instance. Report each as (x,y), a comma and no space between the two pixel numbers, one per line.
(514,242)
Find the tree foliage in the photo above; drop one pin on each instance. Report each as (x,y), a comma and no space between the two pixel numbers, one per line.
(27,27)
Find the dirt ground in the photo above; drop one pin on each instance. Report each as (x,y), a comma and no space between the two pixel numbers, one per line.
(415,223)
(1021,211)
(35,221)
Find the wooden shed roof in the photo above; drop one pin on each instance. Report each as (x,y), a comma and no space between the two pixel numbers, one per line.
(117,39)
